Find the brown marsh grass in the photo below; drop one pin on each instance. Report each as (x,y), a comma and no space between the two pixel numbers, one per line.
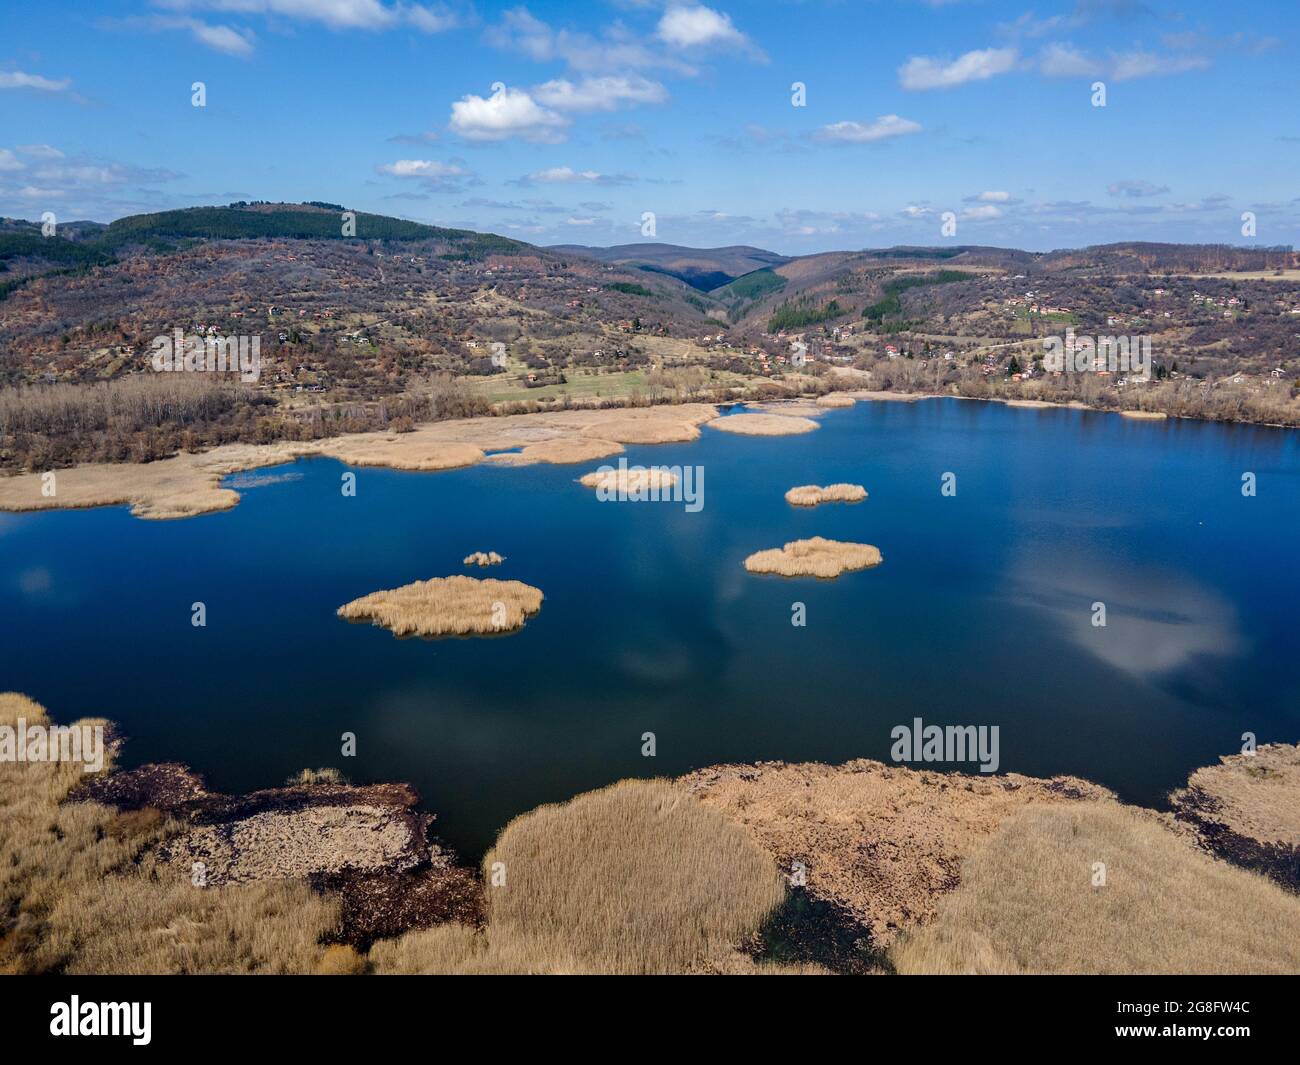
(634,878)
(81,891)
(448,606)
(1027,904)
(764,424)
(634,480)
(484,558)
(1254,795)
(815,557)
(810,495)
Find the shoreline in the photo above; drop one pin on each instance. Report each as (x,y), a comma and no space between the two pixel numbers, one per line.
(870,855)
(189,484)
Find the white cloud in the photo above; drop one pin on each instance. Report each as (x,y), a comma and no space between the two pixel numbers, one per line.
(864,133)
(1140,64)
(336,14)
(566,175)
(599,93)
(1136,189)
(994,197)
(923,72)
(616,50)
(506,113)
(40,151)
(1066,61)
(422,168)
(697,26)
(16,79)
(9,161)
(984,211)
(224,39)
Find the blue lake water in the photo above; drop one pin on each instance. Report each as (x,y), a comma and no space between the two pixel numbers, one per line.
(980,614)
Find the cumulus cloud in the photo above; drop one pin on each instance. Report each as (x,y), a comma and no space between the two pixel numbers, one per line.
(507,113)
(432,174)
(924,72)
(697,26)
(882,128)
(615,50)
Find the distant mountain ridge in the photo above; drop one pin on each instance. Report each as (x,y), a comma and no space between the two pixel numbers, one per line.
(705,269)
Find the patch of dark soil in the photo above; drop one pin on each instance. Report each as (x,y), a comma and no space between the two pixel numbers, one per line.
(810,929)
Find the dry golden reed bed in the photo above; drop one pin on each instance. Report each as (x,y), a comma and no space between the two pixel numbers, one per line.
(810,495)
(815,557)
(82,890)
(764,424)
(994,874)
(1028,902)
(448,606)
(1255,796)
(630,481)
(484,558)
(634,878)
(835,399)
(189,484)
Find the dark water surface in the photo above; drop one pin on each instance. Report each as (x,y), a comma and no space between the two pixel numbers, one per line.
(980,614)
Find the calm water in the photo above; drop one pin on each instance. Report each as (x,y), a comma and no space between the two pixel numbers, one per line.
(980,614)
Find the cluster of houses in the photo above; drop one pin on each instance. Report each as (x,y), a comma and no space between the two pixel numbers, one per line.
(1230,304)
(1034,303)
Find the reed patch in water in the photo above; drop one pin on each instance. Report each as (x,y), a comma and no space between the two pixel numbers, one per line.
(630,481)
(484,558)
(764,424)
(815,557)
(810,495)
(448,606)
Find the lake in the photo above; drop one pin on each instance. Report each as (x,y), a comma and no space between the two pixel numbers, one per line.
(982,612)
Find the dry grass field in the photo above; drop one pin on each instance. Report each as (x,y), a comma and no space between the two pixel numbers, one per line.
(1027,904)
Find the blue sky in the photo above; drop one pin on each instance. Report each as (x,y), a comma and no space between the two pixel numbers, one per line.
(567,122)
